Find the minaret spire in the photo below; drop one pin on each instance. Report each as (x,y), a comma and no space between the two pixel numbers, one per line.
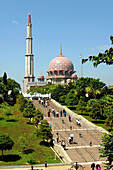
(29,57)
(29,18)
(60,49)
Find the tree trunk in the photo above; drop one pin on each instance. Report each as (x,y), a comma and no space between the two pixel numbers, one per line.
(2,155)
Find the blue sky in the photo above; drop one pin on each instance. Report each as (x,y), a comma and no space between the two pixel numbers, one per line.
(82,26)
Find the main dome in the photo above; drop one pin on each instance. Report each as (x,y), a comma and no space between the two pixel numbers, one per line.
(61,63)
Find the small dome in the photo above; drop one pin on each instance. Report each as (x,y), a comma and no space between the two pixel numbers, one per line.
(41,77)
(78,78)
(74,75)
(61,63)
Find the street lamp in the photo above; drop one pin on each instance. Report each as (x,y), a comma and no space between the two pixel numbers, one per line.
(55,147)
(81,65)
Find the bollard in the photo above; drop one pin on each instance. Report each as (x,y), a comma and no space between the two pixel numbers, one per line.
(80,135)
(70,127)
(63,121)
(90,143)
(45,163)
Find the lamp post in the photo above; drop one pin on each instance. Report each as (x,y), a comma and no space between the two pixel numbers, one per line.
(55,147)
(81,65)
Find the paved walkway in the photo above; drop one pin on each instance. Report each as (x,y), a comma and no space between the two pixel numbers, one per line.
(86,166)
(86,141)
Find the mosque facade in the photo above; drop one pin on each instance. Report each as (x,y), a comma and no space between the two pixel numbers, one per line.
(60,70)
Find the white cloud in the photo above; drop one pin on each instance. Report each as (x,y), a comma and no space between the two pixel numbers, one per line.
(104,47)
(15,22)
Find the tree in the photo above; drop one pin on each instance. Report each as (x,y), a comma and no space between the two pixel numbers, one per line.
(107,148)
(6,143)
(95,110)
(106,57)
(38,117)
(109,114)
(57,92)
(5,78)
(29,110)
(44,131)
(71,98)
(23,142)
(8,112)
(81,105)
(23,103)
(9,85)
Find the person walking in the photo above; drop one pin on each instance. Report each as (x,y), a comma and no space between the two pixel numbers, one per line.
(92,166)
(57,136)
(61,113)
(69,118)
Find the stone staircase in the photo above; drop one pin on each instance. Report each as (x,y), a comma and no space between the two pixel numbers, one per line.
(80,150)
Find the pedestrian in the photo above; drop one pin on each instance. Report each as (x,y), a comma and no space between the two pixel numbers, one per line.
(69,118)
(65,114)
(69,139)
(64,145)
(61,113)
(93,166)
(54,113)
(57,114)
(46,103)
(99,168)
(53,110)
(48,113)
(57,136)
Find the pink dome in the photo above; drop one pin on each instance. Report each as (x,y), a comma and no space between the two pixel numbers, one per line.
(41,76)
(74,75)
(78,78)
(61,63)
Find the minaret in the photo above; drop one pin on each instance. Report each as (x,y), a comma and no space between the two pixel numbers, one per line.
(29,64)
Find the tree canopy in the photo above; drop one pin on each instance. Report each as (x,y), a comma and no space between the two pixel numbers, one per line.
(107,147)
(9,89)
(106,57)
(6,143)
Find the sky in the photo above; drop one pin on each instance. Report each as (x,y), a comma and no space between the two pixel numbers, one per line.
(83,27)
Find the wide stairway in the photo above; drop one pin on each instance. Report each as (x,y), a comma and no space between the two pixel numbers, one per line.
(86,140)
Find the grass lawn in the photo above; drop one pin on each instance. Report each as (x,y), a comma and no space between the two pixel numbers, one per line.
(15,127)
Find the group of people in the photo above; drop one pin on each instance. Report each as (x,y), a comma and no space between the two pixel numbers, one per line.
(43,102)
(58,114)
(97,166)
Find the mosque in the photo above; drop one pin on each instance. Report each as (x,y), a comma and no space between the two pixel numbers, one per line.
(60,70)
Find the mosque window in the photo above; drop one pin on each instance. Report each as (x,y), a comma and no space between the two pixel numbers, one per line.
(51,73)
(55,72)
(66,73)
(60,72)
(28,79)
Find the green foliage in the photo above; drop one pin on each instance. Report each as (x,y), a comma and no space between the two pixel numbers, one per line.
(23,103)
(81,105)
(6,143)
(107,147)
(6,86)
(29,110)
(37,117)
(23,142)
(44,130)
(8,112)
(71,98)
(58,92)
(106,57)
(95,110)
(62,99)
